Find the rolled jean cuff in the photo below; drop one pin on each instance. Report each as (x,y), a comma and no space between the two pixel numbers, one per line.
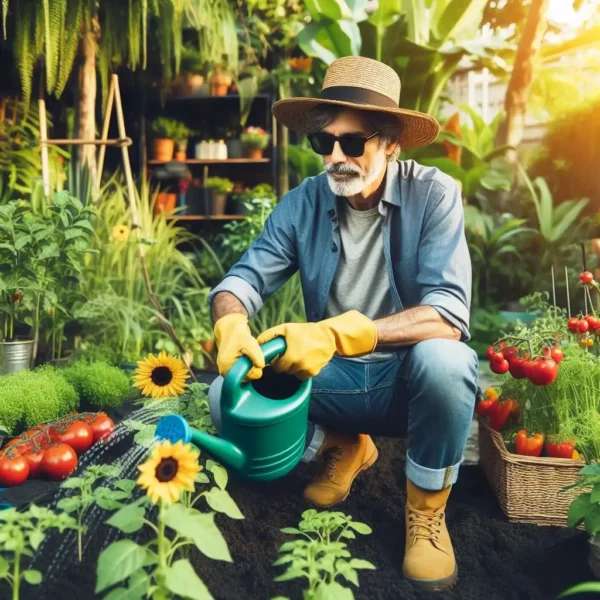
(431,479)
(315,444)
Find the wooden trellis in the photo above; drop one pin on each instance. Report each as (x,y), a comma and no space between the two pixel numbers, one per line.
(123,142)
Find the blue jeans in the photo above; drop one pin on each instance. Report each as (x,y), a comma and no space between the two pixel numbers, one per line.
(427,397)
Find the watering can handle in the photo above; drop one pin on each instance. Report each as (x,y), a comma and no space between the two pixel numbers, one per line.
(235,376)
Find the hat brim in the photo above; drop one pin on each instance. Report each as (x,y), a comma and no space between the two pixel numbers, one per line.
(419,129)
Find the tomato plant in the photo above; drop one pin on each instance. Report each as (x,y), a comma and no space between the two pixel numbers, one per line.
(102,426)
(79,436)
(14,470)
(59,461)
(586,277)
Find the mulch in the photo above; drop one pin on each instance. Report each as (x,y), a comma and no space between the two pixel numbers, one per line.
(496,559)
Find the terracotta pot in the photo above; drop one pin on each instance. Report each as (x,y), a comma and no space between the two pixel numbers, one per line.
(219,84)
(180,155)
(192,83)
(219,201)
(208,346)
(163,149)
(254,153)
(165,202)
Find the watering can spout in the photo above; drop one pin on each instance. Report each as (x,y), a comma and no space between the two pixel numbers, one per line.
(175,428)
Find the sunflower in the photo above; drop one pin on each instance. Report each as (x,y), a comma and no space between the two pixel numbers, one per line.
(170,470)
(120,233)
(161,376)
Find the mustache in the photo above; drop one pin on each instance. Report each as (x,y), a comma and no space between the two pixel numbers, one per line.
(342,169)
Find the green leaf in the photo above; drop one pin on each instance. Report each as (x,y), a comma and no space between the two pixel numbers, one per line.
(4,567)
(128,519)
(139,584)
(222,502)
(49,251)
(333,591)
(291,573)
(360,527)
(182,580)
(578,509)
(32,577)
(72,483)
(592,519)
(359,563)
(36,537)
(117,562)
(69,505)
(85,224)
(592,587)
(220,475)
(21,241)
(200,528)
(593,469)
(201,478)
(595,497)
(127,485)
(291,530)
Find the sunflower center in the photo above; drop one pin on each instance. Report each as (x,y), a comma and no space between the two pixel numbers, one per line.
(166,470)
(161,376)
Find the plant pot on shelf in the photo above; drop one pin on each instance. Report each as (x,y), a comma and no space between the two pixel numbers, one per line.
(219,202)
(16,355)
(219,84)
(192,83)
(254,153)
(163,149)
(165,202)
(234,149)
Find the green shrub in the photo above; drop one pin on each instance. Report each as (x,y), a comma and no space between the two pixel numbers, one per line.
(29,398)
(98,384)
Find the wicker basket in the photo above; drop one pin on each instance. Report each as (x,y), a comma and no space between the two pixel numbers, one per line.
(528,488)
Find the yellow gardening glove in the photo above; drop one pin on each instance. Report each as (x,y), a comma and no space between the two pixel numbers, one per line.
(310,346)
(234,339)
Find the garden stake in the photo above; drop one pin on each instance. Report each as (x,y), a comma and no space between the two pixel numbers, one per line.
(567,286)
(114,96)
(553,288)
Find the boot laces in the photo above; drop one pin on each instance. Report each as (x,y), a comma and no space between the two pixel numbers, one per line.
(425,525)
(331,460)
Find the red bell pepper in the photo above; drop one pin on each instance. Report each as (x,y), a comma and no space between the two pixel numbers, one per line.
(563,449)
(499,413)
(529,445)
(483,407)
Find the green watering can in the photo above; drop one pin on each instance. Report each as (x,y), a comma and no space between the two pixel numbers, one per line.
(264,421)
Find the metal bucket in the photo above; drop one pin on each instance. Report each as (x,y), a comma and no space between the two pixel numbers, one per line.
(15,356)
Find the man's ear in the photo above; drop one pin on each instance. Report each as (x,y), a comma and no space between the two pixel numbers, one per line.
(392,148)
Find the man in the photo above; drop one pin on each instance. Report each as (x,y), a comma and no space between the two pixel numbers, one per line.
(386,277)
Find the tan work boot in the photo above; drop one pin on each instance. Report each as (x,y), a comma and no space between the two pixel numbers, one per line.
(429,560)
(345,457)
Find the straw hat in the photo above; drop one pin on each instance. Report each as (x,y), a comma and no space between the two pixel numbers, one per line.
(365,84)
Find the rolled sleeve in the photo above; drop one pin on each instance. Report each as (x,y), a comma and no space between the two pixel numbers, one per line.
(267,264)
(445,274)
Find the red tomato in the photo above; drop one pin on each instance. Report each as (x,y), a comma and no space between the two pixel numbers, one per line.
(516,367)
(59,461)
(101,426)
(592,322)
(543,372)
(35,462)
(499,367)
(13,471)
(572,323)
(582,326)
(490,352)
(556,354)
(79,436)
(586,277)
(509,352)
(498,358)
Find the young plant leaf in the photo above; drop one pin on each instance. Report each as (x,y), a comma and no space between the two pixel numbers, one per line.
(117,562)
(182,580)
(4,567)
(128,519)
(32,577)
(578,509)
(72,483)
(221,501)
(36,537)
(360,527)
(127,485)
(69,505)
(220,475)
(359,563)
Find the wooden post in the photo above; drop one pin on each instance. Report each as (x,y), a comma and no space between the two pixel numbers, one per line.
(44,145)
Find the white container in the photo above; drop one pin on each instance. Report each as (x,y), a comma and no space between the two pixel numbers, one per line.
(222,150)
(202,150)
(212,150)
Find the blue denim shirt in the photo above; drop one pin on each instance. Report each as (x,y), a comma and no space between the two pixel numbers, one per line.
(426,252)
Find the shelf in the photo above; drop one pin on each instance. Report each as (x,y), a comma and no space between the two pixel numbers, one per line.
(214,98)
(214,161)
(207,218)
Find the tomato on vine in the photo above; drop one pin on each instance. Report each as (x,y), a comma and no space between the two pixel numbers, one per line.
(586,277)
(572,324)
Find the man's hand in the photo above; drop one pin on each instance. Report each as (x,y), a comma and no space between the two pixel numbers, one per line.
(234,339)
(310,346)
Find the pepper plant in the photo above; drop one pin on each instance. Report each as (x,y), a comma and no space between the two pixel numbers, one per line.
(585,508)
(319,555)
(21,534)
(87,493)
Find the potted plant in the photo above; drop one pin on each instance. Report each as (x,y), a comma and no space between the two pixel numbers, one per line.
(221,189)
(166,131)
(190,81)
(254,141)
(220,82)
(40,256)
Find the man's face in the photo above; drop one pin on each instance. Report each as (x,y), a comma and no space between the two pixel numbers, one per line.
(347,175)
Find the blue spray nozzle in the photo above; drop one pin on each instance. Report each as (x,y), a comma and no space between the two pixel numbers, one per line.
(173,428)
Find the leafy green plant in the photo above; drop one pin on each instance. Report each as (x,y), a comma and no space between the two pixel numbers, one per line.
(163,127)
(155,568)
(319,555)
(34,397)
(585,508)
(220,184)
(21,534)
(99,385)
(86,493)
(255,137)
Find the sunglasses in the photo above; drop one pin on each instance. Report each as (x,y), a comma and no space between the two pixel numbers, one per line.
(352,145)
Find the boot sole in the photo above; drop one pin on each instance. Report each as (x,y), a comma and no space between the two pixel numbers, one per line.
(366,465)
(436,585)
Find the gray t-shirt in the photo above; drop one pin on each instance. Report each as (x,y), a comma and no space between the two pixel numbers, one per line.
(361,281)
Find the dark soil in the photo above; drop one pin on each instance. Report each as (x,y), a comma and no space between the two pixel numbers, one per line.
(496,559)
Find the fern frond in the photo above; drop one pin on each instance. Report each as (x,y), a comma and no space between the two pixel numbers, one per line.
(23,49)
(57,31)
(70,44)
(4,15)
(48,43)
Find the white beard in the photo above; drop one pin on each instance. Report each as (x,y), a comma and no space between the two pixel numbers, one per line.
(356,182)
